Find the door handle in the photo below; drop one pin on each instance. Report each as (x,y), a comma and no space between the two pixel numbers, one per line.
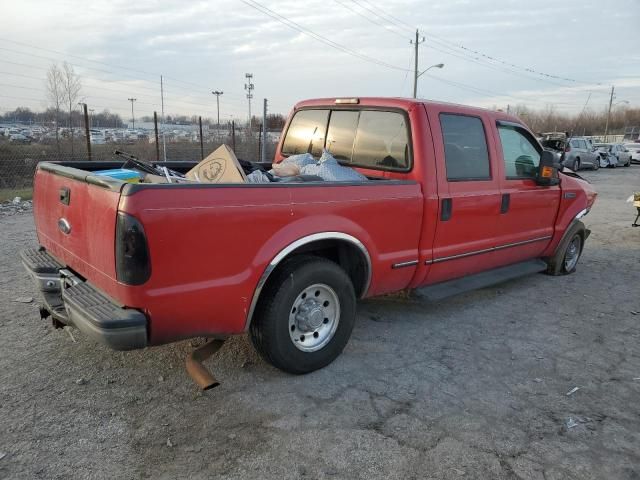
(65,195)
(445,211)
(504,206)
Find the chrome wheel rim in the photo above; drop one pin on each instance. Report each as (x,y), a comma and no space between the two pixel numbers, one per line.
(314,317)
(572,255)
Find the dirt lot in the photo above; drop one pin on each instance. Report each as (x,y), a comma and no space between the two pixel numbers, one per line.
(473,387)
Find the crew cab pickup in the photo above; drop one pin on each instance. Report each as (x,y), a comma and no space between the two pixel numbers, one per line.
(455,197)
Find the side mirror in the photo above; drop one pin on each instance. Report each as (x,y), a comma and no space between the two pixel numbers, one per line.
(548,170)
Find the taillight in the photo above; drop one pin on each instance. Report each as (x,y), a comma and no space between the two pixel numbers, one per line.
(133,265)
(567,148)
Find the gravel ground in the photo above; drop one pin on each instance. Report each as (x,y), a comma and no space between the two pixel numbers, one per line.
(477,386)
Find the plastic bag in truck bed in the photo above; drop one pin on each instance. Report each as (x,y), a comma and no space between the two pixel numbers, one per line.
(330,170)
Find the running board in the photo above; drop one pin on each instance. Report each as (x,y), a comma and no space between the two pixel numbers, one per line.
(480,280)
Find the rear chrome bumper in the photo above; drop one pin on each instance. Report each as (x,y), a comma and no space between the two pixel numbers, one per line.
(73,301)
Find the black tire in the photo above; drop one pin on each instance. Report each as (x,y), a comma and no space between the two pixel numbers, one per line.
(576,165)
(628,164)
(557,264)
(596,164)
(271,323)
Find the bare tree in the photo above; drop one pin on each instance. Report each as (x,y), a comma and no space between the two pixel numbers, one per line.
(71,87)
(55,95)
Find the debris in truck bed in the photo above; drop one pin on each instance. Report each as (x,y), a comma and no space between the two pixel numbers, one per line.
(330,170)
(124,174)
(221,166)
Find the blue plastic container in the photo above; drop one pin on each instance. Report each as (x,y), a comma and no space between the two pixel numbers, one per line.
(124,174)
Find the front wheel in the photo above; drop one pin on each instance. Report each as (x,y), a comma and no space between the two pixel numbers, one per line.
(572,254)
(305,315)
(566,257)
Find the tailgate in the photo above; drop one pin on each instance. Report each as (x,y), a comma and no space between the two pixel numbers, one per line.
(75,217)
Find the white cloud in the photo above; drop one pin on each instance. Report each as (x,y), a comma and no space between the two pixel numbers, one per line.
(205,45)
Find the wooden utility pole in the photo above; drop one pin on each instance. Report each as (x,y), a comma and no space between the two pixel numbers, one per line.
(263,156)
(606,125)
(86,129)
(155,127)
(201,140)
(416,43)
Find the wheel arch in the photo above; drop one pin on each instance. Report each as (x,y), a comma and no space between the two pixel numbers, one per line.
(346,250)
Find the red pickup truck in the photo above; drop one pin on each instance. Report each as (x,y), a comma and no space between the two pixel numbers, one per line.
(455,198)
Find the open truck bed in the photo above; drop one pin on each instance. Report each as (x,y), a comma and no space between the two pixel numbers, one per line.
(183,260)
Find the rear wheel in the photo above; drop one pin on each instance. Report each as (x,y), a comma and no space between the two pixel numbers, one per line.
(596,163)
(305,315)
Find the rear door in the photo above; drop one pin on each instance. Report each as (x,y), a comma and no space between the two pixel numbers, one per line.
(528,211)
(469,191)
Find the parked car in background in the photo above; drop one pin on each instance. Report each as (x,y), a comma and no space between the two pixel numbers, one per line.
(97,137)
(19,138)
(634,150)
(613,155)
(579,152)
(575,152)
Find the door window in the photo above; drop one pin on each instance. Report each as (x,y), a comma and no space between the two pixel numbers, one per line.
(521,157)
(465,148)
(306,133)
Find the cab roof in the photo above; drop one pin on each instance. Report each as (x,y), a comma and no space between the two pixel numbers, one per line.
(402,103)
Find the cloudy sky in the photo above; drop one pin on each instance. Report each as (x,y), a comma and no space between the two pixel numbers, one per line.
(540,54)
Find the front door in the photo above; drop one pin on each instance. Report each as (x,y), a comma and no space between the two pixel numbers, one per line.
(469,194)
(528,211)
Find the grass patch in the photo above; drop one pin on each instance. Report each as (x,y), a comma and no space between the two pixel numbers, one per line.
(8,194)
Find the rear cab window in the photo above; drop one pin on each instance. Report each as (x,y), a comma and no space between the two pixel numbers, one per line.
(306,133)
(370,138)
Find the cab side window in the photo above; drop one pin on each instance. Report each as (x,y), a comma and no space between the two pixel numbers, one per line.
(521,157)
(465,148)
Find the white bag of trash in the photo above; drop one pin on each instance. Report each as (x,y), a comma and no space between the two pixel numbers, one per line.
(330,170)
(299,160)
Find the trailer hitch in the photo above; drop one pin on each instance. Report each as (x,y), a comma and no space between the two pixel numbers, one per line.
(198,372)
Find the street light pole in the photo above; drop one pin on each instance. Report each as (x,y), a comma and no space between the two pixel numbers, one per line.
(133,118)
(437,65)
(217,94)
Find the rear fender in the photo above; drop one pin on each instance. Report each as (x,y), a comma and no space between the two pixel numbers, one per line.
(304,232)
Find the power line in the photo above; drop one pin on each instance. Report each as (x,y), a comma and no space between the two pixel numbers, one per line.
(370,20)
(129,88)
(120,73)
(381,13)
(296,26)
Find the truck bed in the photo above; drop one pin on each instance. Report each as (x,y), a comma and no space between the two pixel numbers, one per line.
(209,244)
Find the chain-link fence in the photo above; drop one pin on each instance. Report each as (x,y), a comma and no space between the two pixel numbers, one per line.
(18,162)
